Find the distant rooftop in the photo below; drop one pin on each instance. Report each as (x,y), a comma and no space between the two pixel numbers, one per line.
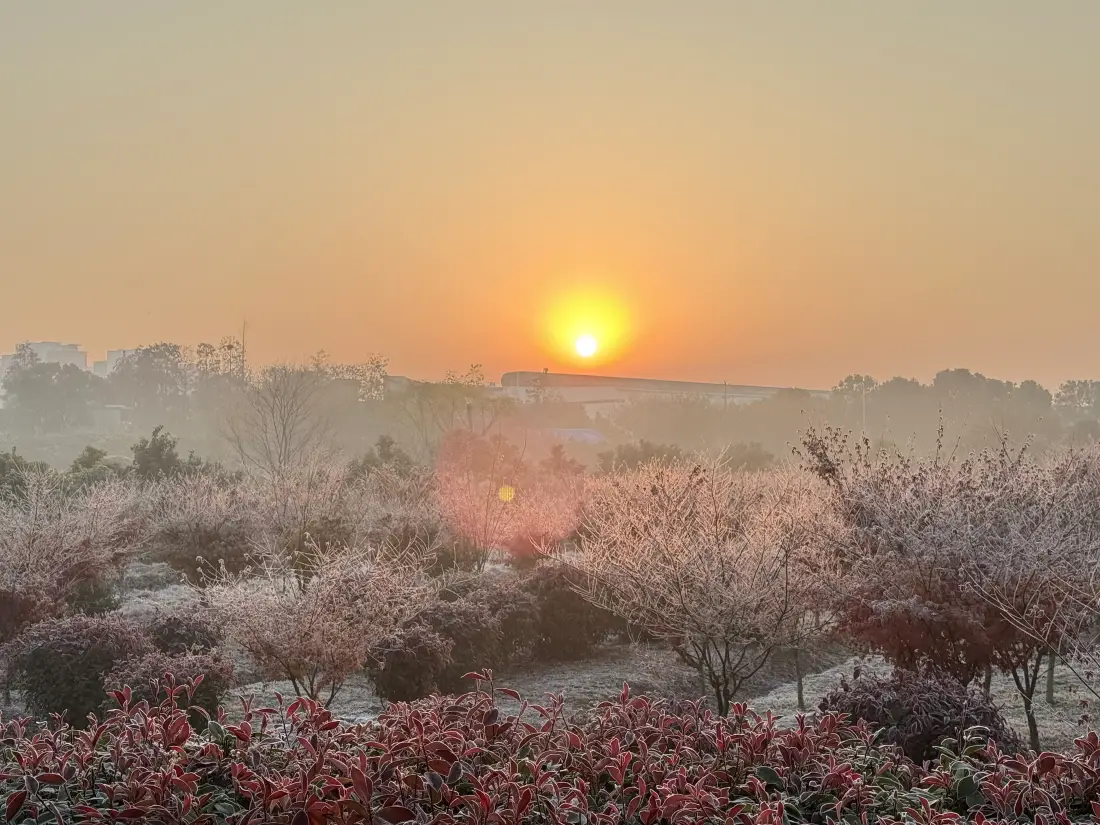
(559,380)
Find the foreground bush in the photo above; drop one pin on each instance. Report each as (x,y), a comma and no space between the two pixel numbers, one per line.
(919,711)
(464,760)
(59,664)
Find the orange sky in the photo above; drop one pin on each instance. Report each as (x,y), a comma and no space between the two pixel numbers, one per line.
(780,192)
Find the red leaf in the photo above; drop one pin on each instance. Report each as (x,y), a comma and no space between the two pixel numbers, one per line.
(362,786)
(395,813)
(15,804)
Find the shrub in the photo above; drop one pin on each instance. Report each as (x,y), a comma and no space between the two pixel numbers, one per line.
(920,710)
(474,636)
(196,551)
(516,613)
(93,597)
(569,626)
(184,632)
(409,664)
(54,541)
(468,760)
(322,535)
(143,672)
(17,611)
(59,664)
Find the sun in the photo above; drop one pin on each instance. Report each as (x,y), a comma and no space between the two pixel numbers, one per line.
(586,346)
(587,325)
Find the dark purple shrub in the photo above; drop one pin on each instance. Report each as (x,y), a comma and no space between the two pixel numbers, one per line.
(920,710)
(474,636)
(569,626)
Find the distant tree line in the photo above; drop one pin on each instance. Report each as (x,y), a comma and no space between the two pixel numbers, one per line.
(223,408)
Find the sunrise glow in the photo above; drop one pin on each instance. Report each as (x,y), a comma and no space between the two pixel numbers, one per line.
(588,325)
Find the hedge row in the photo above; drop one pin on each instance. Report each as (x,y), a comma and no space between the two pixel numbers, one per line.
(464,760)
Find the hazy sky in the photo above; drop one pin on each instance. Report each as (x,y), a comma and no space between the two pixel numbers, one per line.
(771,192)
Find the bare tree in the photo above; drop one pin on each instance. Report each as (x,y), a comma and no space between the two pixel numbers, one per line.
(277,420)
(721,564)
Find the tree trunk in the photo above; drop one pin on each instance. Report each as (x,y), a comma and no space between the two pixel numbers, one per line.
(798,677)
(1052,660)
(1032,725)
(722,699)
(987,682)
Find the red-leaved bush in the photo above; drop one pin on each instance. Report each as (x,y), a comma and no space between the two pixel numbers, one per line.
(466,760)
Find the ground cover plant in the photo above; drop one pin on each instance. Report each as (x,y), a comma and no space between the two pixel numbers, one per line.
(450,760)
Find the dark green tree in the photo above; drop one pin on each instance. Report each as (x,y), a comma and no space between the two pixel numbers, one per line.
(156,456)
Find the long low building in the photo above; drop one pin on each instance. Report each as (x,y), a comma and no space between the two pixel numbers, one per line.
(596,392)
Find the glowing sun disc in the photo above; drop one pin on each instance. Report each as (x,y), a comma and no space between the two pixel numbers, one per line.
(587,346)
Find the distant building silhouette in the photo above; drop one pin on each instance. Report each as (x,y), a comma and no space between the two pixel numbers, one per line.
(602,392)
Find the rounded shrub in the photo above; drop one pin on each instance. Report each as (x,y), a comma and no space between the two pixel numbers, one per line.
(59,664)
(409,664)
(184,632)
(919,710)
(516,614)
(569,626)
(474,635)
(142,673)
